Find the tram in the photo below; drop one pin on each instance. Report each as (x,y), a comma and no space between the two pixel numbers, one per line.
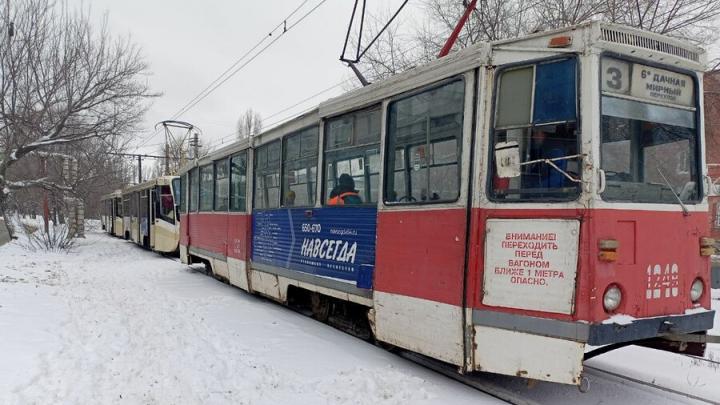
(508,208)
(111,217)
(150,214)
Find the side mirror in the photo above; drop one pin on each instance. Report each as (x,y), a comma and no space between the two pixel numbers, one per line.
(507,159)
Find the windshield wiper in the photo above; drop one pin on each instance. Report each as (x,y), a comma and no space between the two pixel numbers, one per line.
(672,190)
(551,163)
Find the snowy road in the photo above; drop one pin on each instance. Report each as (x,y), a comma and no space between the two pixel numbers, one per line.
(111,323)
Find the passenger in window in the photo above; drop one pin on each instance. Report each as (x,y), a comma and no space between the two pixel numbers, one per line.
(344,193)
(547,143)
(424,195)
(290,198)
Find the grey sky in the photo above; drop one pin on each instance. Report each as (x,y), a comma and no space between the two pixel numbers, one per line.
(188,44)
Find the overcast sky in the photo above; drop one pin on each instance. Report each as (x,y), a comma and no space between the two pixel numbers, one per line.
(189,44)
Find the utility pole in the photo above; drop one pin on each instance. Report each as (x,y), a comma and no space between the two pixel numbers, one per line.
(167,158)
(195,143)
(46,205)
(139,169)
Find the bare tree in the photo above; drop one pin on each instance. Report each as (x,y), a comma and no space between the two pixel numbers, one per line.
(397,49)
(249,124)
(692,20)
(62,82)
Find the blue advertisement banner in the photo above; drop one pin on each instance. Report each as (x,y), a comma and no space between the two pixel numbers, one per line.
(337,242)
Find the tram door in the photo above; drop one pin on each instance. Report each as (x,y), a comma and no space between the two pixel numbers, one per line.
(154,205)
(422,225)
(144,217)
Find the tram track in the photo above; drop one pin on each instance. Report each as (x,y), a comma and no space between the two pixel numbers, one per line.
(623,379)
(486,387)
(525,392)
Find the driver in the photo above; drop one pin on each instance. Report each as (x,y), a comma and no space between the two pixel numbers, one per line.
(546,143)
(344,193)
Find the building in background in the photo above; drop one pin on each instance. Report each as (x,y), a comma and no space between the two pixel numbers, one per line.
(712,137)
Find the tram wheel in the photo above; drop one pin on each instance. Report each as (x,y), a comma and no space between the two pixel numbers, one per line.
(320,305)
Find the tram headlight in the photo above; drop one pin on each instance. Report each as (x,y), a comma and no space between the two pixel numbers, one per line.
(696,290)
(612,298)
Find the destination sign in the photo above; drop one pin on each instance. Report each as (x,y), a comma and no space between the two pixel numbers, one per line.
(647,82)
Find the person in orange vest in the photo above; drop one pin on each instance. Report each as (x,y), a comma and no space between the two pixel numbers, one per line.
(344,193)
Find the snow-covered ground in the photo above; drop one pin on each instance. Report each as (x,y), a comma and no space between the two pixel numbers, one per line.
(112,323)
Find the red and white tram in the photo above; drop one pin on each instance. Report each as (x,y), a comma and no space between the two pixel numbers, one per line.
(514,204)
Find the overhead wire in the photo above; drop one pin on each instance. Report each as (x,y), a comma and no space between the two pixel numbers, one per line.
(222,79)
(239,68)
(240,59)
(231,135)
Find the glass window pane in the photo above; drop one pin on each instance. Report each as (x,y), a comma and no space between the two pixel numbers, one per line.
(555,106)
(636,110)
(221,185)
(648,162)
(267,177)
(514,98)
(300,169)
(339,132)
(292,148)
(165,205)
(206,188)
(238,182)
(194,184)
(540,180)
(425,131)
(368,127)
(182,193)
(355,160)
(555,92)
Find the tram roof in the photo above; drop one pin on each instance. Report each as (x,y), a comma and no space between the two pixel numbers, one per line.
(161,180)
(599,35)
(115,194)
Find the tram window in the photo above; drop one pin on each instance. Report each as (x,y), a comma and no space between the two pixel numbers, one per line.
(193,190)
(221,185)
(425,133)
(165,206)
(650,158)
(126,205)
(176,191)
(238,181)
(182,193)
(352,150)
(134,204)
(300,168)
(267,176)
(536,108)
(206,188)
(143,214)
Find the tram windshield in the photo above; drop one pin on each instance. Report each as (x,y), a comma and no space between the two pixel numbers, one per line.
(649,139)
(536,111)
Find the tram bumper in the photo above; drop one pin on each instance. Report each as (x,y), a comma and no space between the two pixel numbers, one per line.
(677,333)
(649,328)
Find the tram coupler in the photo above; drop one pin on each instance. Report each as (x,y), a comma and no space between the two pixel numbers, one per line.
(684,343)
(692,338)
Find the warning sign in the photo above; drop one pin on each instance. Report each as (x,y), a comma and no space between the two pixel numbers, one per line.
(531,264)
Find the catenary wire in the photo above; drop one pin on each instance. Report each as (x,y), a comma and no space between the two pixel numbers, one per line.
(214,84)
